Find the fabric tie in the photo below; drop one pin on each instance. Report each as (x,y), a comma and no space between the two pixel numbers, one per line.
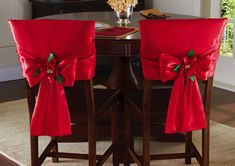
(51,114)
(185,110)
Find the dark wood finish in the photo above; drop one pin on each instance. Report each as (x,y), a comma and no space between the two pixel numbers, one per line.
(127,141)
(115,133)
(123,78)
(190,149)
(50,7)
(33,140)
(206,131)
(52,148)
(134,156)
(4,161)
(91,122)
(146,122)
(55,150)
(12,90)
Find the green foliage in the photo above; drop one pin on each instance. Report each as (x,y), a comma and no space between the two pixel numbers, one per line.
(228,11)
(228,8)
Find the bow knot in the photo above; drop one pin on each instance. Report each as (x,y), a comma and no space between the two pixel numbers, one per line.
(51,64)
(188,62)
(185,110)
(187,66)
(51,115)
(50,70)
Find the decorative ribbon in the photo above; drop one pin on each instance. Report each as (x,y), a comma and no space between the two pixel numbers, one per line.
(185,110)
(51,115)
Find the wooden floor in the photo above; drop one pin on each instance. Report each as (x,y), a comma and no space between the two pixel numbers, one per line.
(222,108)
(4,161)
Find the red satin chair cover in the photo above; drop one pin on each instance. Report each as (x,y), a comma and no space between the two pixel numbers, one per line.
(54,53)
(181,50)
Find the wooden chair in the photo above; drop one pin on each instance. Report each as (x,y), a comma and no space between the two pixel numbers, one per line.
(56,53)
(182,51)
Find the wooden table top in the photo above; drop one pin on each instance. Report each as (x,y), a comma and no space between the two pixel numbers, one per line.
(110,18)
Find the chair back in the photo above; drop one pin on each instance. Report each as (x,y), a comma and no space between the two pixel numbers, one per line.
(177,38)
(63,38)
(181,50)
(54,53)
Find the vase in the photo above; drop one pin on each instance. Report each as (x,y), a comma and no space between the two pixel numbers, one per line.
(124,16)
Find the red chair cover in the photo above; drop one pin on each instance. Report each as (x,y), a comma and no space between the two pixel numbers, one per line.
(54,53)
(181,50)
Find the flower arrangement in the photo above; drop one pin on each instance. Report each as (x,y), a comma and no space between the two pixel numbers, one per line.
(121,5)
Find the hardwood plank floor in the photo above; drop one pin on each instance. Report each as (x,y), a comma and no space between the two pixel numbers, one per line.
(4,161)
(222,107)
(12,90)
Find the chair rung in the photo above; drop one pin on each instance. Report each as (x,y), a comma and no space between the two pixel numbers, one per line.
(68,155)
(197,154)
(105,156)
(104,107)
(71,155)
(47,150)
(134,105)
(168,156)
(134,156)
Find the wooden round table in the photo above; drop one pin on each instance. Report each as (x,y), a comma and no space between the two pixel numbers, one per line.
(122,76)
(123,49)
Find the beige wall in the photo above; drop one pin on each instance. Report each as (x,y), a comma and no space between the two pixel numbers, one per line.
(188,7)
(10,9)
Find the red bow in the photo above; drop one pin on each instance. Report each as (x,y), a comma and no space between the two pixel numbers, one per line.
(185,110)
(51,115)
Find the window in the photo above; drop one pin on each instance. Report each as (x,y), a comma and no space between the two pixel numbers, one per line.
(228,11)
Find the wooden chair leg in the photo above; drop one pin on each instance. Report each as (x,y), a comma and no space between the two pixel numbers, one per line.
(92,141)
(205,145)
(127,130)
(33,139)
(146,122)
(206,131)
(34,150)
(91,123)
(55,149)
(188,148)
(115,131)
